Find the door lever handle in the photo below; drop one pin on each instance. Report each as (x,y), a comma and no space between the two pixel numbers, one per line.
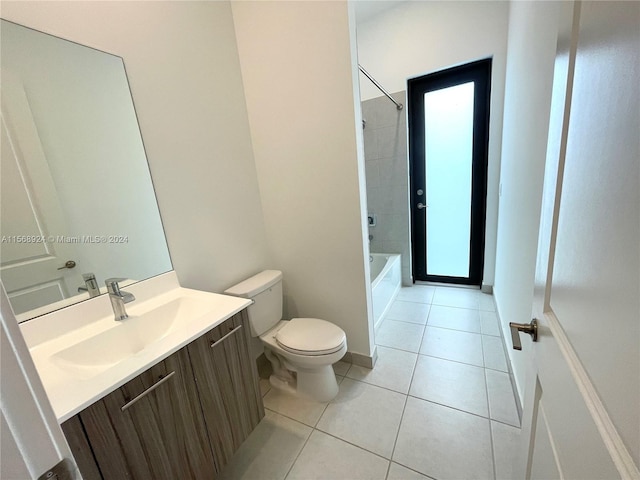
(530,328)
(68,264)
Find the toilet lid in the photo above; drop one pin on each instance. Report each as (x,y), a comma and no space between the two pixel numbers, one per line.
(310,335)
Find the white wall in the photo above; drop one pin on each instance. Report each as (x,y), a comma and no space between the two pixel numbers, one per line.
(183,68)
(530,63)
(298,75)
(418,37)
(184,71)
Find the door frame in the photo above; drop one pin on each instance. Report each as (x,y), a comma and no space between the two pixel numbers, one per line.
(34,441)
(480,72)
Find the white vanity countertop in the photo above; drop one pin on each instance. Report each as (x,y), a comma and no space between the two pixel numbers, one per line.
(71,387)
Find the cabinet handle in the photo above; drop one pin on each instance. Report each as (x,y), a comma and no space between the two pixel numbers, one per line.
(148,390)
(213,344)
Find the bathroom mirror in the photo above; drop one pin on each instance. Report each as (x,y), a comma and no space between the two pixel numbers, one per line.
(75,189)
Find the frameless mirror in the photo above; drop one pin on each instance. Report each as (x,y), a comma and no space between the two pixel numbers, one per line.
(76,196)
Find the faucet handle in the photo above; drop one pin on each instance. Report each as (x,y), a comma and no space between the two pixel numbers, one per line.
(114,290)
(90,285)
(115,279)
(90,280)
(112,285)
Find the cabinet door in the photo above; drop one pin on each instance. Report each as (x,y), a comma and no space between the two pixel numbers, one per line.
(80,448)
(227,381)
(152,427)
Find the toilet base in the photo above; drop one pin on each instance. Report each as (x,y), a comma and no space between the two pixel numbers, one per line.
(306,376)
(280,384)
(319,384)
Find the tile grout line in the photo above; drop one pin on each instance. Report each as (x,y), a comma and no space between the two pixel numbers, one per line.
(298,455)
(502,422)
(415,365)
(425,325)
(481,332)
(390,459)
(407,395)
(404,408)
(386,476)
(404,321)
(454,361)
(484,374)
(352,444)
(380,386)
(290,418)
(416,471)
(443,358)
(400,349)
(486,384)
(452,329)
(444,305)
(450,360)
(452,408)
(315,428)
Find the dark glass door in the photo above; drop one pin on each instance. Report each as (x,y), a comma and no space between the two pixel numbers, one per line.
(448,144)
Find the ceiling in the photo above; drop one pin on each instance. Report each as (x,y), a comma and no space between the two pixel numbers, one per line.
(368,9)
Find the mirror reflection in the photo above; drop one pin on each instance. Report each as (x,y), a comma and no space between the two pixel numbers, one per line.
(77,204)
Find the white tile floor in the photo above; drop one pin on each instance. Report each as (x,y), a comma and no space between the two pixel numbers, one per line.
(438,404)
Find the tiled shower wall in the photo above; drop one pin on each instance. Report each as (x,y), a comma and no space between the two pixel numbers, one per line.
(385,152)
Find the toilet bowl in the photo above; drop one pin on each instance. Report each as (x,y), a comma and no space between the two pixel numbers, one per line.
(302,351)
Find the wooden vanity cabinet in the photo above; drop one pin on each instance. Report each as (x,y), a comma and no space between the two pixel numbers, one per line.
(160,434)
(228,385)
(181,419)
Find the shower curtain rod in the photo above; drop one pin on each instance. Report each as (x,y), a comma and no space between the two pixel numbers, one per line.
(373,80)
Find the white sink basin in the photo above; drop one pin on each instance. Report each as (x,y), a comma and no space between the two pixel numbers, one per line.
(126,338)
(82,353)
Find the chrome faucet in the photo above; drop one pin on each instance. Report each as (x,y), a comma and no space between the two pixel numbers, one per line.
(90,285)
(118,298)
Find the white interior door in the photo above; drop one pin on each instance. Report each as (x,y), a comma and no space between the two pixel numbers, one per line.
(32,444)
(32,218)
(582,406)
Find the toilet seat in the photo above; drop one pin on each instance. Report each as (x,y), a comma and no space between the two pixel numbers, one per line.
(310,336)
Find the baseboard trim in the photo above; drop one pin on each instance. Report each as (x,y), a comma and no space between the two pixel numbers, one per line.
(362,360)
(506,345)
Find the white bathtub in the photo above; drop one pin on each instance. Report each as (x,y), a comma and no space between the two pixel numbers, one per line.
(386,278)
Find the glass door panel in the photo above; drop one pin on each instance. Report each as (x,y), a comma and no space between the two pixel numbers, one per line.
(448,120)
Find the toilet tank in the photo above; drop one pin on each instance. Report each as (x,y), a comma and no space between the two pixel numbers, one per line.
(265,289)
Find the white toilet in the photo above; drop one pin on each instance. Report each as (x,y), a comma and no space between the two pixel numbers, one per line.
(302,350)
